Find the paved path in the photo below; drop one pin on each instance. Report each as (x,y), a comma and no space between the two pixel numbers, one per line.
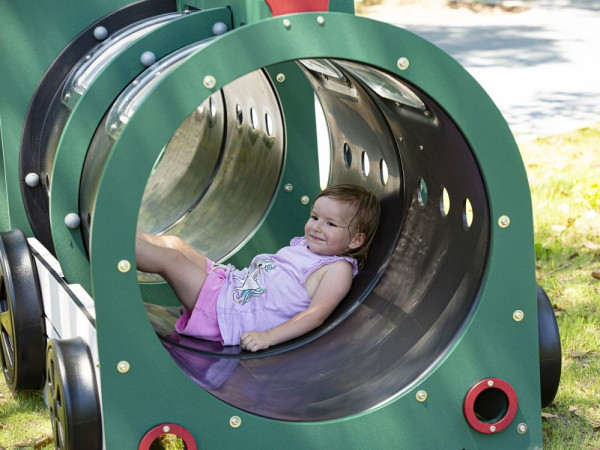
(541,66)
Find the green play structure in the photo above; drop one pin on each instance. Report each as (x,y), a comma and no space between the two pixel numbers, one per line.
(220,121)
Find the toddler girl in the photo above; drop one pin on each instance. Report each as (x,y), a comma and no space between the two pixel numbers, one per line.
(281,296)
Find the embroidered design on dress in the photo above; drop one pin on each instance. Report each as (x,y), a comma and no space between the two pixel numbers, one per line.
(251,282)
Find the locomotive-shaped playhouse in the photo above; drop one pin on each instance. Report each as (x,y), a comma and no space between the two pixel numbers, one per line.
(219,121)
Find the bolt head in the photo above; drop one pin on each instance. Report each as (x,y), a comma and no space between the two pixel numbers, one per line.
(72,221)
(148,58)
(287,23)
(100,33)
(32,179)
(403,63)
(219,28)
(209,82)
(504,221)
(124,266)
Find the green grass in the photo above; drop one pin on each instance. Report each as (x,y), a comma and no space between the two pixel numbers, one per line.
(564,174)
(24,421)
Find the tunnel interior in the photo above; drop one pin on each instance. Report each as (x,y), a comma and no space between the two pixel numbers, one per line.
(422,280)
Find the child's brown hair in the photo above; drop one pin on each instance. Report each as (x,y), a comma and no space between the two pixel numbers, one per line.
(366,215)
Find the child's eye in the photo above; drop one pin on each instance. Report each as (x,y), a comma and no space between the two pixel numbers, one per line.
(331,224)
(313,217)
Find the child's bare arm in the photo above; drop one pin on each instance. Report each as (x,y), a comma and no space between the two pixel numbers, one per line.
(332,288)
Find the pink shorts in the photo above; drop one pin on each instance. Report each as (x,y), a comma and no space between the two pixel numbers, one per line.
(202,322)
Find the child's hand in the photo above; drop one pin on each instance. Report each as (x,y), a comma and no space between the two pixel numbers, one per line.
(255,340)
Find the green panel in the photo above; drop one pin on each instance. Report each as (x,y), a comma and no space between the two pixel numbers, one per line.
(4,210)
(493,344)
(31,37)
(243,11)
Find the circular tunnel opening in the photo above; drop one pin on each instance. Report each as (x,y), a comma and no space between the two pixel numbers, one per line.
(249,160)
(490,405)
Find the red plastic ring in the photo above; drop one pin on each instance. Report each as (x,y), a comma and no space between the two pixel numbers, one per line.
(507,417)
(168,428)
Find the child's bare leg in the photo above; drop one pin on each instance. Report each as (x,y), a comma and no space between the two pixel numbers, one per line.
(178,263)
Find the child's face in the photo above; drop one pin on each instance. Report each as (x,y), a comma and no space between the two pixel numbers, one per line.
(327,229)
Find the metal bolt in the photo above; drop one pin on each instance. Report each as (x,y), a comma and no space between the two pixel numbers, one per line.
(287,23)
(504,221)
(123,366)
(305,200)
(67,97)
(209,82)
(522,428)
(320,20)
(518,315)
(166,429)
(280,77)
(148,58)
(421,396)
(72,221)
(32,179)
(235,422)
(288,188)
(492,429)
(421,148)
(403,63)
(490,383)
(124,266)
(219,28)
(100,33)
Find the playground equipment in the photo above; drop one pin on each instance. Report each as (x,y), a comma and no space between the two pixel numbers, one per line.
(219,121)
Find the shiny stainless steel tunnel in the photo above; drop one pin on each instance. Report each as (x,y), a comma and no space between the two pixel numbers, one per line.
(236,177)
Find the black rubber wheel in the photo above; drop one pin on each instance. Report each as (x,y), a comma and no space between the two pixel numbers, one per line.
(73,395)
(21,315)
(550,350)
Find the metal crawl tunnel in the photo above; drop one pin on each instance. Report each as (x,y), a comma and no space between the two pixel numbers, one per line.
(220,123)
